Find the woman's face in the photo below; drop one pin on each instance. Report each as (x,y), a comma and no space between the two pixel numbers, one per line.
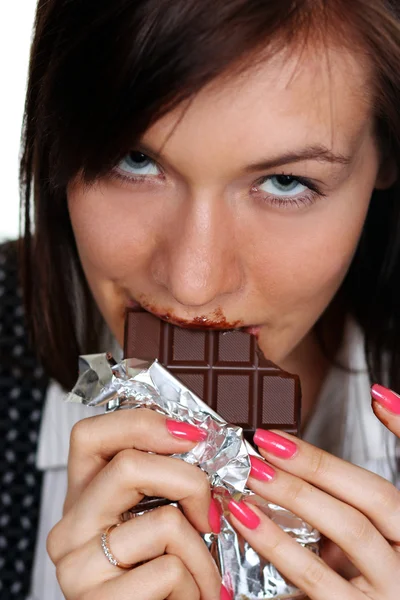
(245,211)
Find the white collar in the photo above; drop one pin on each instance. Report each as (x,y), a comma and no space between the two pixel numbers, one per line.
(58,420)
(343,422)
(59,417)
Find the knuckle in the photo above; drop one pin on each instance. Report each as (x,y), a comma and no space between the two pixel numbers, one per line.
(124,465)
(276,546)
(174,568)
(319,463)
(314,573)
(52,543)
(81,432)
(294,489)
(201,485)
(358,527)
(169,519)
(386,497)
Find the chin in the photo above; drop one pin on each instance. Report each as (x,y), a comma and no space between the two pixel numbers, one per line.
(277,346)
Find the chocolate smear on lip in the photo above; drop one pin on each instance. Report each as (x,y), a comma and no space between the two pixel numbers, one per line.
(216,322)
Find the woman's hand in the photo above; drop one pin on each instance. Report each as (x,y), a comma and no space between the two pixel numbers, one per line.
(109,472)
(356,509)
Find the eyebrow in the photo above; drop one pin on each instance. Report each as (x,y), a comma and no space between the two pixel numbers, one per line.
(319,153)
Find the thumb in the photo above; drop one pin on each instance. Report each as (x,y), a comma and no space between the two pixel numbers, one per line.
(386,406)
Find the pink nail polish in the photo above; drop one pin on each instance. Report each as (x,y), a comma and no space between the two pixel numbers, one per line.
(186,431)
(260,470)
(387,398)
(214,516)
(244,514)
(275,444)
(225,594)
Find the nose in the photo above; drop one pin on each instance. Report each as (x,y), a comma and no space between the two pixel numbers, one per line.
(198,260)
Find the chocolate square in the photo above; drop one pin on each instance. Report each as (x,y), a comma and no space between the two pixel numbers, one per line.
(226,369)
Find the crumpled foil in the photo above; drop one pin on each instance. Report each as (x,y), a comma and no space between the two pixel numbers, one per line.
(223,456)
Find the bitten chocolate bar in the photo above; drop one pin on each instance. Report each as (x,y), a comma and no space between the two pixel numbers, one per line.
(226,369)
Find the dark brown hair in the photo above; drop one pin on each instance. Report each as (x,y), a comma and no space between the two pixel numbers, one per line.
(101,73)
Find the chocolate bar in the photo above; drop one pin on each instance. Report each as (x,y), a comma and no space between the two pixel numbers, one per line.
(226,369)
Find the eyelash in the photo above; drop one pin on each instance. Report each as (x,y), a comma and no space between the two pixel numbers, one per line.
(287,202)
(282,202)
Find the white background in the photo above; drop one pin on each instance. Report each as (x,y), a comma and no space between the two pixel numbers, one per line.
(16,22)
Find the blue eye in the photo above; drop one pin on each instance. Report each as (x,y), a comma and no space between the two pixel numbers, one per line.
(287,191)
(282,185)
(137,164)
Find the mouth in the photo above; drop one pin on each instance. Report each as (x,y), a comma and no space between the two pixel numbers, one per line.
(252,330)
(217,321)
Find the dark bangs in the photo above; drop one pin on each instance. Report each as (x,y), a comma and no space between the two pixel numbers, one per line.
(101,73)
(106,73)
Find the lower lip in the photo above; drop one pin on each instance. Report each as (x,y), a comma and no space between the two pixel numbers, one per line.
(252,331)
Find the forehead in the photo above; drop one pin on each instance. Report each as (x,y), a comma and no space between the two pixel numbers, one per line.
(316,97)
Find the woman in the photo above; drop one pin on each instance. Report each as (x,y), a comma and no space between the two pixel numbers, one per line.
(238,161)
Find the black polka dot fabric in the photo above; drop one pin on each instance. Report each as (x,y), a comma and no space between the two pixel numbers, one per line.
(22,390)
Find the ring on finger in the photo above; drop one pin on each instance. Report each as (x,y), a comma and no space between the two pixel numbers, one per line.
(105,544)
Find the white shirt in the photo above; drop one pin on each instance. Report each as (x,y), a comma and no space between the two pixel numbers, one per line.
(343,423)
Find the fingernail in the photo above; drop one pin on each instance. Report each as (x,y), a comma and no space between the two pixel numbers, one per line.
(387,398)
(260,470)
(214,516)
(225,594)
(275,444)
(244,514)
(186,431)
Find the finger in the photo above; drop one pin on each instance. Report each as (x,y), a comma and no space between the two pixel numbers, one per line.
(128,477)
(95,440)
(299,565)
(351,530)
(144,538)
(372,495)
(164,578)
(386,406)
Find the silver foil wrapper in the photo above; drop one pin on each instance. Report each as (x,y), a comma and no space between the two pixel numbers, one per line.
(223,456)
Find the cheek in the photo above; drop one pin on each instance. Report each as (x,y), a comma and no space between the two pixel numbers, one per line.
(303,259)
(110,242)
(115,236)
